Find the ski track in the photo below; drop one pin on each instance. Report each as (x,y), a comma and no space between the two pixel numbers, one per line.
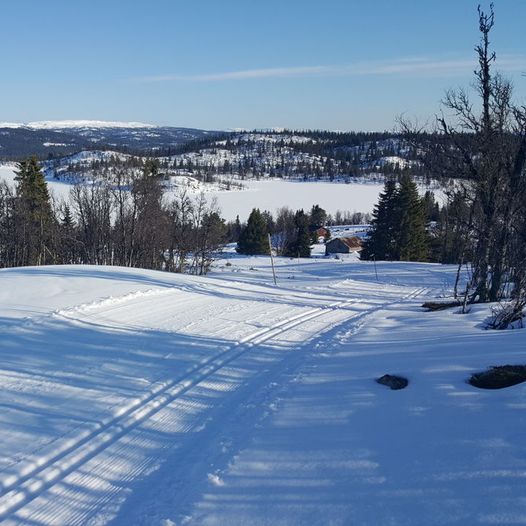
(70,482)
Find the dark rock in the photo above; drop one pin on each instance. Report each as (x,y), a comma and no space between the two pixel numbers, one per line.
(440,305)
(499,377)
(393,381)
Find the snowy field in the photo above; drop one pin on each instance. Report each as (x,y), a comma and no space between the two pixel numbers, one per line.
(271,195)
(266,195)
(134,397)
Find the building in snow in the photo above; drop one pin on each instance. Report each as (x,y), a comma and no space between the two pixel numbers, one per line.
(343,245)
(320,233)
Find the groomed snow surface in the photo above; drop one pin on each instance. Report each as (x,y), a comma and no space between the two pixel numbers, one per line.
(133,397)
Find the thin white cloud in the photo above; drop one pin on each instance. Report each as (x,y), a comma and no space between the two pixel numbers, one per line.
(245,74)
(406,66)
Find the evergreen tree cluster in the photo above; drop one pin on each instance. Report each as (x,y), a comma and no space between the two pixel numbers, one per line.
(399,225)
(292,232)
(300,154)
(253,238)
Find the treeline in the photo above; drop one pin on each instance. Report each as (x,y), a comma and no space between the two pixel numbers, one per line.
(312,155)
(125,223)
(18,143)
(259,154)
(193,145)
(253,161)
(109,166)
(289,232)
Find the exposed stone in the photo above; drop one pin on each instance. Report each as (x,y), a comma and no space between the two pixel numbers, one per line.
(499,377)
(393,381)
(441,305)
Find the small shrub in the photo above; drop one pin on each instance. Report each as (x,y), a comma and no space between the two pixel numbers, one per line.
(504,315)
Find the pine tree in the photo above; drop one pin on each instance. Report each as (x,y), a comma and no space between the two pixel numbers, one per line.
(151,168)
(300,245)
(318,217)
(432,208)
(68,241)
(381,243)
(34,216)
(234,230)
(254,237)
(412,240)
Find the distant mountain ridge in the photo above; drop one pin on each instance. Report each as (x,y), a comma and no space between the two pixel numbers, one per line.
(48,139)
(205,154)
(74,124)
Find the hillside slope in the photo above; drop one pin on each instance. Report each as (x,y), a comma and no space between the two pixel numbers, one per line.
(139,397)
(60,138)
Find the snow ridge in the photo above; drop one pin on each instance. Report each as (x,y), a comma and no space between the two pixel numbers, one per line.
(112,301)
(73,124)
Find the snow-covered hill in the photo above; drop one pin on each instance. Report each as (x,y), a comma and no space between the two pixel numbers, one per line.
(307,156)
(74,125)
(134,397)
(58,138)
(269,153)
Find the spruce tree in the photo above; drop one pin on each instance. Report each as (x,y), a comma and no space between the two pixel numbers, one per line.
(68,238)
(412,240)
(237,228)
(318,217)
(381,243)
(300,245)
(34,216)
(254,237)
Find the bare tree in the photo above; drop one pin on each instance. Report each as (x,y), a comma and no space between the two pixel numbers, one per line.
(482,145)
(93,208)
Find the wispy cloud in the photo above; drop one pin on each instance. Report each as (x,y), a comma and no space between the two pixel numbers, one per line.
(412,66)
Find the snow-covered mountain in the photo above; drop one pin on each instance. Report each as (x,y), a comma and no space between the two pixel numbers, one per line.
(242,155)
(297,155)
(59,138)
(97,148)
(74,124)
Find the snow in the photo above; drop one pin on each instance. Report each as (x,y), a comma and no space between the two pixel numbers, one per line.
(273,194)
(58,189)
(360,231)
(135,397)
(65,124)
(85,157)
(394,160)
(267,195)
(341,450)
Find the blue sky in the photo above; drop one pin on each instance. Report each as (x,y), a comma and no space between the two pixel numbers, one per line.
(333,64)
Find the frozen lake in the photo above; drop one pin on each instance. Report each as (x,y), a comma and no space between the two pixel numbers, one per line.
(271,195)
(267,195)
